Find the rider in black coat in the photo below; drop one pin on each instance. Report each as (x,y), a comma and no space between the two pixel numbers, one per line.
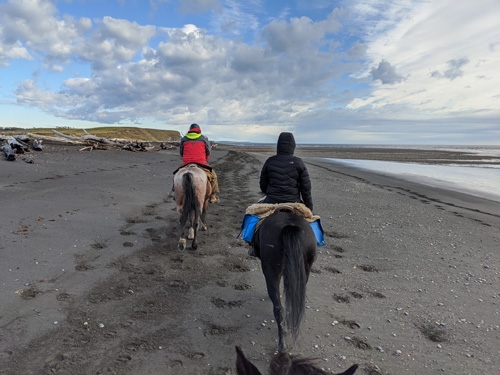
(284,177)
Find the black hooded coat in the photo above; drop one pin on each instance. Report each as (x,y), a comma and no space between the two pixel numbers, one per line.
(284,177)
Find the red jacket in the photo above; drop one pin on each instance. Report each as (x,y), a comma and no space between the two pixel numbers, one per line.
(195,148)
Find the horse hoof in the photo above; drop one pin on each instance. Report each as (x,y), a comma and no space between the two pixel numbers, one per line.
(194,246)
(182,244)
(191,233)
(204,227)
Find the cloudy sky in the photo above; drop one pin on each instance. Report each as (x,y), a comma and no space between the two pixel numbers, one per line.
(353,71)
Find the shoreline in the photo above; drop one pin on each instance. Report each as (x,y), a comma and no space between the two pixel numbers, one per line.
(386,153)
(473,201)
(453,198)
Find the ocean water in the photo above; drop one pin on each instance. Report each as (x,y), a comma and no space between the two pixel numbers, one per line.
(481,181)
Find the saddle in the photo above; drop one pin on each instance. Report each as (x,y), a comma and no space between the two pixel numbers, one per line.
(257,212)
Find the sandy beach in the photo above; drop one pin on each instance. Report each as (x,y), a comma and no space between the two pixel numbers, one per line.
(92,282)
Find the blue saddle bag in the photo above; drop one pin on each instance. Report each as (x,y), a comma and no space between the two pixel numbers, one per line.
(318,232)
(250,222)
(248,227)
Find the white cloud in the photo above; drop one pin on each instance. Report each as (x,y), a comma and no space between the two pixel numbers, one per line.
(12,51)
(439,40)
(237,17)
(127,33)
(33,25)
(299,35)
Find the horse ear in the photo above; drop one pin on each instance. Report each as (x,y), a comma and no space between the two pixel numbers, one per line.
(243,365)
(351,370)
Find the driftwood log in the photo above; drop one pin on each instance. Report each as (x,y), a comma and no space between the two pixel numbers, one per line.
(9,153)
(21,143)
(22,138)
(89,138)
(48,138)
(37,144)
(16,145)
(169,145)
(98,143)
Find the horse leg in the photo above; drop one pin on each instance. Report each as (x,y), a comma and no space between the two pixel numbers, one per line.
(203,223)
(194,244)
(205,207)
(182,244)
(273,290)
(182,241)
(191,233)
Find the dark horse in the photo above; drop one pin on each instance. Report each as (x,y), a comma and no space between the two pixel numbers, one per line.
(284,364)
(286,246)
(192,191)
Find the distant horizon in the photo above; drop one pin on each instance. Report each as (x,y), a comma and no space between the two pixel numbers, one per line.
(396,145)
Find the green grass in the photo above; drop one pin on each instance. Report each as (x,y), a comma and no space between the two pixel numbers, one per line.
(124,132)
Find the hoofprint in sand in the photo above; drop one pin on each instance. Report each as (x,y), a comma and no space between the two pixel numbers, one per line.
(92,281)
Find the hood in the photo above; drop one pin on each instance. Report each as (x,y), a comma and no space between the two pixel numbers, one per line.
(286,144)
(194,128)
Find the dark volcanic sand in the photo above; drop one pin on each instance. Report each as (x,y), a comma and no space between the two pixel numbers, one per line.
(91,281)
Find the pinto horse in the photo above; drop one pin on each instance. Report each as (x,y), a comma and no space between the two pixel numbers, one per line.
(284,364)
(286,246)
(192,191)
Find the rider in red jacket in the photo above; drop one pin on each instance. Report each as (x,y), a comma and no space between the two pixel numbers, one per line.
(195,148)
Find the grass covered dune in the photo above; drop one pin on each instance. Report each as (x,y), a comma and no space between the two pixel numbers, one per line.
(128,133)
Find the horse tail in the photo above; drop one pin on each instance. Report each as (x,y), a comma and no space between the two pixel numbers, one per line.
(294,279)
(191,207)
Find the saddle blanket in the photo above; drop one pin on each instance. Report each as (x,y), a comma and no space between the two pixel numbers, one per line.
(257,212)
(206,169)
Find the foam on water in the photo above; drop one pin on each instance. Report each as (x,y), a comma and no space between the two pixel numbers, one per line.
(479,181)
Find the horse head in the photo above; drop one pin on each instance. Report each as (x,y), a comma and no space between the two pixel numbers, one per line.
(284,364)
